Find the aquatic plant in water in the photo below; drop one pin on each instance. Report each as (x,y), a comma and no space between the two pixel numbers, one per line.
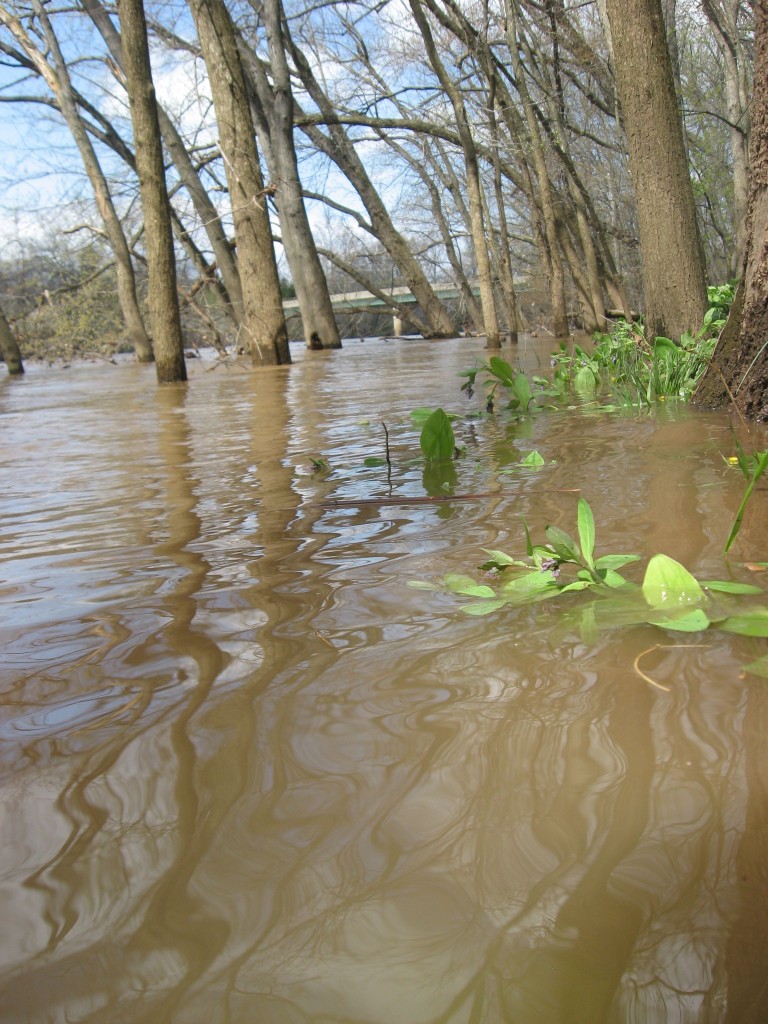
(499,374)
(752,468)
(669,596)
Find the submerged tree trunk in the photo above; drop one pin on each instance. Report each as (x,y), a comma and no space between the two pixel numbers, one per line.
(264,321)
(674,283)
(276,101)
(739,370)
(158,234)
(9,348)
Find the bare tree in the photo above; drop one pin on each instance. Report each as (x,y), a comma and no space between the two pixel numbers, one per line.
(341,150)
(57,78)
(158,235)
(264,321)
(207,214)
(474,186)
(273,96)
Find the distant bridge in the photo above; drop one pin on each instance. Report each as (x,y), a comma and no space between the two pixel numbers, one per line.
(351,302)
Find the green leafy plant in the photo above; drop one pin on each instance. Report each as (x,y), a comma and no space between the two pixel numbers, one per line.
(437,439)
(669,596)
(498,374)
(720,299)
(752,468)
(639,373)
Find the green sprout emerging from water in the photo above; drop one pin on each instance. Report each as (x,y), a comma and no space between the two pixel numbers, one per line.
(752,468)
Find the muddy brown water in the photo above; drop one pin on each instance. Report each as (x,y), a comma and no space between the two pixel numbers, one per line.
(251,777)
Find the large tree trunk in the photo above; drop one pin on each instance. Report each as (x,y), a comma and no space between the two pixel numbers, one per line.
(58,80)
(206,211)
(275,128)
(158,235)
(739,370)
(674,283)
(9,348)
(264,320)
(722,16)
(474,186)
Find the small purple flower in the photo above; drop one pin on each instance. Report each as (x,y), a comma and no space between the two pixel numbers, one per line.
(550,565)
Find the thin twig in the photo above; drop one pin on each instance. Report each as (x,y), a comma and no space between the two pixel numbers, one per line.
(650,650)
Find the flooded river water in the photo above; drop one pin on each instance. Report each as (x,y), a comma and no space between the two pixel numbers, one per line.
(250,776)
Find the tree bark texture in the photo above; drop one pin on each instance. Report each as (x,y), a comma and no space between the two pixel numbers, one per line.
(9,348)
(263,325)
(739,370)
(674,282)
(275,99)
(723,17)
(158,234)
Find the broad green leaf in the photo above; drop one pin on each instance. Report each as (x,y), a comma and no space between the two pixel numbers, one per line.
(615,561)
(586,523)
(611,579)
(484,607)
(728,587)
(502,370)
(584,381)
(759,667)
(533,584)
(577,585)
(422,414)
(564,545)
(460,584)
(373,460)
(500,557)
(753,623)
(479,590)
(437,440)
(685,622)
(523,390)
(668,583)
(532,459)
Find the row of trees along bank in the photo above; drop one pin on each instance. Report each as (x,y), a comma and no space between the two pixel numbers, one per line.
(479,142)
